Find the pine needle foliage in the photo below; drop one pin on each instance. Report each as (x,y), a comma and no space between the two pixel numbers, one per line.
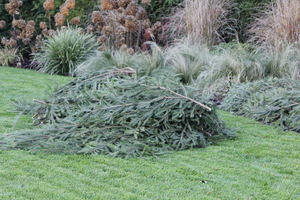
(273,101)
(115,113)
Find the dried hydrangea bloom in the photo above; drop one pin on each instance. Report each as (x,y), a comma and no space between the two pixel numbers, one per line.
(43,25)
(4,41)
(14,23)
(34,49)
(14,3)
(23,34)
(107,30)
(29,28)
(121,31)
(108,4)
(130,51)
(90,28)
(132,9)
(59,19)
(21,23)
(102,40)
(39,38)
(29,35)
(141,13)
(64,10)
(12,43)
(123,3)
(51,32)
(26,41)
(18,32)
(131,23)
(70,4)
(31,22)
(45,32)
(146,2)
(2,24)
(20,3)
(75,20)
(48,5)
(120,10)
(156,26)
(146,23)
(97,17)
(122,20)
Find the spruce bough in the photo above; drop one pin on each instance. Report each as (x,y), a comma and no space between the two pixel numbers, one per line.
(113,112)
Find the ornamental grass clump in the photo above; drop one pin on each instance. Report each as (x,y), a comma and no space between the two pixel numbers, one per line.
(61,53)
(201,21)
(115,113)
(279,25)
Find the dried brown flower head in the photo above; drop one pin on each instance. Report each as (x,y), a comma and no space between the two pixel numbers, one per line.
(90,28)
(59,19)
(102,40)
(31,22)
(132,8)
(120,10)
(48,5)
(64,10)
(14,23)
(21,23)
(146,2)
(123,3)
(45,32)
(75,20)
(141,13)
(130,51)
(122,20)
(70,4)
(26,41)
(131,23)
(2,24)
(121,31)
(157,26)
(43,25)
(97,17)
(107,30)
(108,4)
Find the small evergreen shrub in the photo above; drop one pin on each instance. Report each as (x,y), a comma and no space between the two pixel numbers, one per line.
(61,53)
(272,101)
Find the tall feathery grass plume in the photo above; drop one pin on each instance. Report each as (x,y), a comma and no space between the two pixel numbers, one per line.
(201,21)
(278,25)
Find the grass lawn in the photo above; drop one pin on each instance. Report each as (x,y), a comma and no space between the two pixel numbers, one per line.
(262,163)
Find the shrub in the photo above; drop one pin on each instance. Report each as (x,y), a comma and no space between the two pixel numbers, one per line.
(115,113)
(8,56)
(274,101)
(201,20)
(279,25)
(61,53)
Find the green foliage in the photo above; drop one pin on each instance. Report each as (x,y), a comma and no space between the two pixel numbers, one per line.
(243,14)
(113,113)
(61,53)
(8,56)
(275,101)
(161,8)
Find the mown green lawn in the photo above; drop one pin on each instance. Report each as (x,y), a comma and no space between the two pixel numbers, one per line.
(262,163)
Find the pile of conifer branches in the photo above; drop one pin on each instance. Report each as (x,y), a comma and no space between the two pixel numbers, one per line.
(114,112)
